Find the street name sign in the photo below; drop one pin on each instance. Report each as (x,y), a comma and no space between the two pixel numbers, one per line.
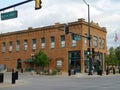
(76,37)
(9,15)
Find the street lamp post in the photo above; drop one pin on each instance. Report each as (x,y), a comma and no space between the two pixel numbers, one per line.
(89,38)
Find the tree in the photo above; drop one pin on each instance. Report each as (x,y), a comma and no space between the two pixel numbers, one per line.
(117,52)
(112,56)
(41,59)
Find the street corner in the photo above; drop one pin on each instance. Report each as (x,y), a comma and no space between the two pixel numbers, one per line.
(8,84)
(4,85)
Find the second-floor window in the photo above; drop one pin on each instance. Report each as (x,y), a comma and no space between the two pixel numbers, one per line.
(100,43)
(42,42)
(25,45)
(17,45)
(3,47)
(10,46)
(95,42)
(73,41)
(63,41)
(33,44)
(86,40)
(103,44)
(52,44)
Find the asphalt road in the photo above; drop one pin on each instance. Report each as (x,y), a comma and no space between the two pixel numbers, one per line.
(36,82)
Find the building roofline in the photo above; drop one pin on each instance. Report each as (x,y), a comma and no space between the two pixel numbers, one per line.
(57,25)
(92,24)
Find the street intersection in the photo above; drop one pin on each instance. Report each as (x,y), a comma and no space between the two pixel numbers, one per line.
(27,81)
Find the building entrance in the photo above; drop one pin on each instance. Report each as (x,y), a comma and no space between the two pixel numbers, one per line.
(19,64)
(74,61)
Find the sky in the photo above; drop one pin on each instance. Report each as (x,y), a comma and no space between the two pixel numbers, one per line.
(104,12)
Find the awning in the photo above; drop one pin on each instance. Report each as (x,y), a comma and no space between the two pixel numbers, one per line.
(29,60)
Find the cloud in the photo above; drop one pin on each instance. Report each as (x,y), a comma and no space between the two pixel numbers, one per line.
(106,13)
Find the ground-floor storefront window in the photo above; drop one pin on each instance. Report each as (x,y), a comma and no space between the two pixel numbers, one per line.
(74,61)
(96,61)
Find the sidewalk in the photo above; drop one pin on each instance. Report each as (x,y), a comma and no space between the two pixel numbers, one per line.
(7,82)
(95,75)
(86,75)
(21,81)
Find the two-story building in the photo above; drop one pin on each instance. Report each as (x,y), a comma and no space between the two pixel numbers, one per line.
(63,50)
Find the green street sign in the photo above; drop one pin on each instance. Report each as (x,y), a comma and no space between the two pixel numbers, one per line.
(9,15)
(76,37)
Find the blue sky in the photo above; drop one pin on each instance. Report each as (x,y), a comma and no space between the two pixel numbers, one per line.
(104,12)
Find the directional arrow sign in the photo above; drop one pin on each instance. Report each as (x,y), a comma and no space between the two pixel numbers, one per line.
(9,15)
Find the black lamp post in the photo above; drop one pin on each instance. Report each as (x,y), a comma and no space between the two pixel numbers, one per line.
(89,38)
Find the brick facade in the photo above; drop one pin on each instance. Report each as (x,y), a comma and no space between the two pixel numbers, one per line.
(10,55)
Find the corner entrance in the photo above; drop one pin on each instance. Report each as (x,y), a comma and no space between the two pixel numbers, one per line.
(74,62)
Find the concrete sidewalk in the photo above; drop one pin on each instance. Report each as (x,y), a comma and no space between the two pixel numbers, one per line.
(95,75)
(7,82)
(22,80)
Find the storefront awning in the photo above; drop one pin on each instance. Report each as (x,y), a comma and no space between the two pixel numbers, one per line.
(29,60)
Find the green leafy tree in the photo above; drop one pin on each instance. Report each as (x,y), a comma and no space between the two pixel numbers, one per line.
(41,59)
(112,56)
(117,52)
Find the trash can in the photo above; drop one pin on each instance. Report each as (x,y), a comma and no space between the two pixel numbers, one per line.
(13,77)
(1,77)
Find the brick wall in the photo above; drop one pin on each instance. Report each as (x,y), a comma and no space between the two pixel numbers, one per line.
(79,27)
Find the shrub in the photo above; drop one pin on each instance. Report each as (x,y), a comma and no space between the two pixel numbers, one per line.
(54,72)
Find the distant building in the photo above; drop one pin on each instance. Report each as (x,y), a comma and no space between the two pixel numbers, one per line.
(17,49)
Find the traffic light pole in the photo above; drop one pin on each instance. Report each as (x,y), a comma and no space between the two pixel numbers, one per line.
(89,39)
(18,4)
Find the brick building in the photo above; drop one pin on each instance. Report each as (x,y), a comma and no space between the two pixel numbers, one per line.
(64,52)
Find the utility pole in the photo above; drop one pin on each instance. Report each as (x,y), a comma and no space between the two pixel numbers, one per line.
(89,39)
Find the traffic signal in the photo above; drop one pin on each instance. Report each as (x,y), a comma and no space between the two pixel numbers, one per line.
(88,51)
(38,4)
(66,29)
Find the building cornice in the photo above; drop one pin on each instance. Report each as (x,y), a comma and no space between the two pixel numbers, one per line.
(92,24)
(57,25)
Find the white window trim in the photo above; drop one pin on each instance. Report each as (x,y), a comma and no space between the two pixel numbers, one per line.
(34,46)
(62,44)
(43,45)
(10,48)
(74,43)
(52,45)
(3,49)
